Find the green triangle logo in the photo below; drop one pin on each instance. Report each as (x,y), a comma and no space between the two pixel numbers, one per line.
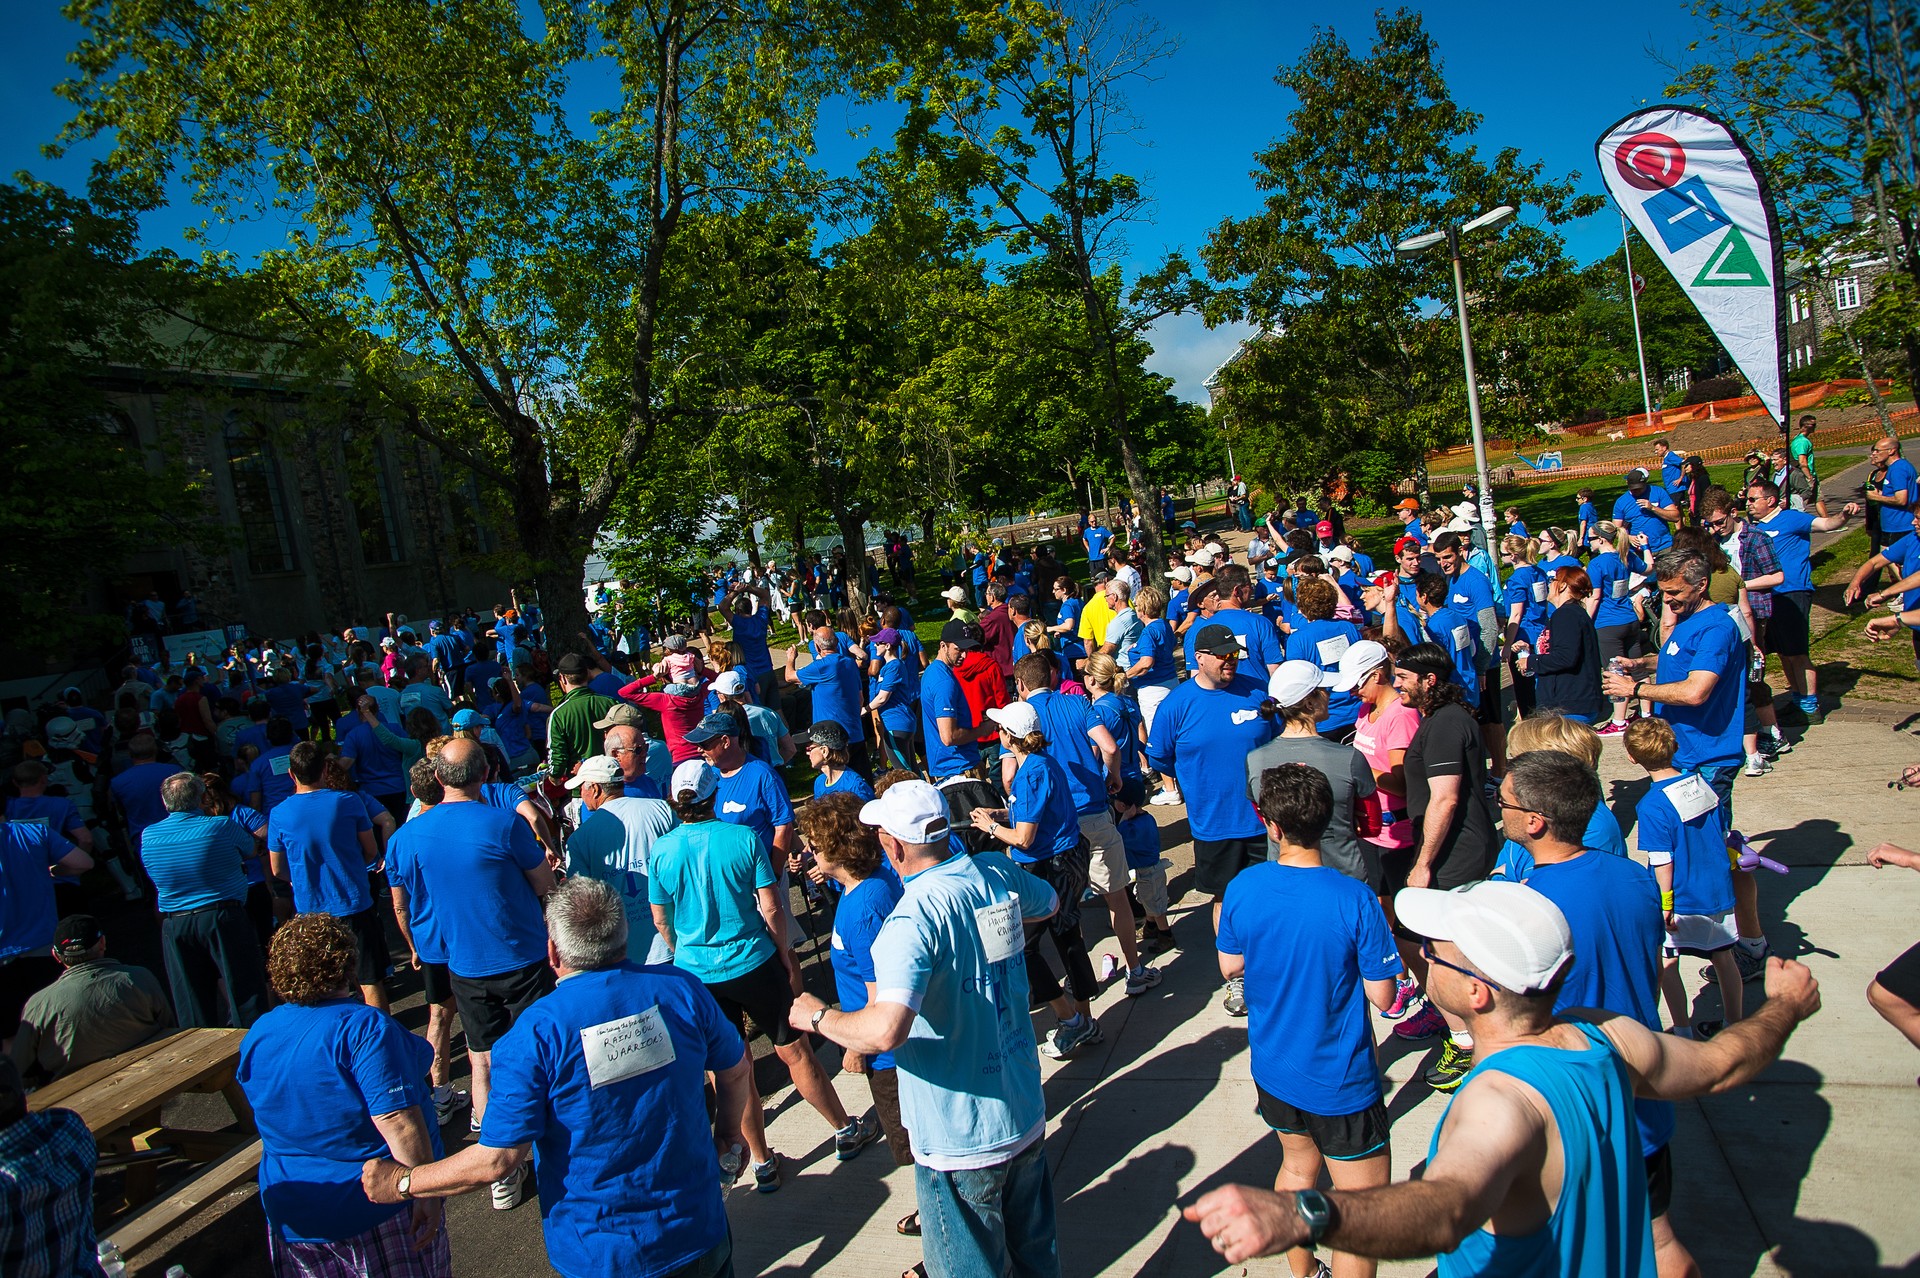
(1732,264)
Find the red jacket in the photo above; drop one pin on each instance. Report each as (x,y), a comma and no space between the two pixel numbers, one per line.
(981,680)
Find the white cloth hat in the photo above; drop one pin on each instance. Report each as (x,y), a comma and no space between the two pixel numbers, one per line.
(1355,662)
(911,811)
(1458,526)
(64,733)
(1019,718)
(598,769)
(730,684)
(696,775)
(1290,684)
(953,594)
(1468,511)
(1512,933)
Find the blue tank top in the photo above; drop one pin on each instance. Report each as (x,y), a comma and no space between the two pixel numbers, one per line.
(1600,1227)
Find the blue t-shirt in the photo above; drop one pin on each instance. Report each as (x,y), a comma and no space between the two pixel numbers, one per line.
(942,697)
(707,874)
(848,782)
(1708,735)
(1066,720)
(750,632)
(1904,555)
(1603,835)
(1526,586)
(28,852)
(254,734)
(319,834)
(1471,595)
(1158,644)
(138,790)
(1612,907)
(289,701)
(1459,635)
(1097,540)
(49,810)
(856,925)
(1260,646)
(1042,794)
(473,861)
(1900,480)
(835,682)
(1672,476)
(897,713)
(1322,642)
(1121,716)
(1311,937)
(755,797)
(1140,835)
(951,952)
(606,1077)
(195,860)
(1588,517)
(376,767)
(1791,534)
(316,1077)
(1702,873)
(270,777)
(1626,510)
(1203,736)
(404,850)
(1612,583)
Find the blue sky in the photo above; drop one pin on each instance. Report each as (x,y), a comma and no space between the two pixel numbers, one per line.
(1546,77)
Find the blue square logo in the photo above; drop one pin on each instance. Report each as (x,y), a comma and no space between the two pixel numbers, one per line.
(1685,213)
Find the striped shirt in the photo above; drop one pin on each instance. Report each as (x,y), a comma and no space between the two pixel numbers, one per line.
(195,860)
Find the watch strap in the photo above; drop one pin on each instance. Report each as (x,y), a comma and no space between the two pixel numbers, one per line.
(818,1016)
(405,1186)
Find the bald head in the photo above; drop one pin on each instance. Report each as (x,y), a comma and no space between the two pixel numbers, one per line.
(825,640)
(461,764)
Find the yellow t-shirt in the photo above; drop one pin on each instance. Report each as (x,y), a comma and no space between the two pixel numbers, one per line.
(1094,617)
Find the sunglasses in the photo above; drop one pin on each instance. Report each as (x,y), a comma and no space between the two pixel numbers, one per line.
(1426,952)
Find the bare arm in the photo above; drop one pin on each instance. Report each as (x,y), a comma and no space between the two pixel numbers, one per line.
(78,861)
(775,918)
(369,847)
(1690,691)
(877,1027)
(663,924)
(540,879)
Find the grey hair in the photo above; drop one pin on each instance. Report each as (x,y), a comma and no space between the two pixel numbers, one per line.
(1120,586)
(1684,564)
(456,774)
(182,792)
(587,923)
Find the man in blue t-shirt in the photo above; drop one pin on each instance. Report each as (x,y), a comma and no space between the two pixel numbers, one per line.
(1313,948)
(1470,594)
(946,716)
(752,610)
(1790,627)
(137,789)
(1096,539)
(604,1082)
(1647,510)
(320,842)
(1893,488)
(750,793)
(28,917)
(1261,648)
(836,683)
(1673,473)
(1203,733)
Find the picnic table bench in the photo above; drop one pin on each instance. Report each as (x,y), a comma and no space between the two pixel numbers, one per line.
(121,1099)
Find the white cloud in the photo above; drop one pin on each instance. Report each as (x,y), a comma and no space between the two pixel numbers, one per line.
(1186,350)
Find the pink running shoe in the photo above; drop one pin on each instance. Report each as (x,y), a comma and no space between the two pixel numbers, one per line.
(1405,993)
(1609,729)
(1424,1023)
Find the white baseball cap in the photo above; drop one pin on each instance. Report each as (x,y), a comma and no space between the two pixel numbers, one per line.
(1290,684)
(1355,662)
(1512,933)
(1181,574)
(1019,718)
(911,811)
(696,775)
(730,684)
(1202,557)
(599,769)
(953,594)
(1344,554)
(1458,526)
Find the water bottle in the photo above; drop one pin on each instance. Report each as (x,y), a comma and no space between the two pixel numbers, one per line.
(731,1164)
(178,1271)
(107,1252)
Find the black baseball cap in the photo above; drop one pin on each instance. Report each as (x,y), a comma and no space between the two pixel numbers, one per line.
(76,934)
(961,635)
(829,734)
(718,724)
(570,665)
(1216,641)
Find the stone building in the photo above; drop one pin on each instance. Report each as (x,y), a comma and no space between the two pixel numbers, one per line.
(1827,293)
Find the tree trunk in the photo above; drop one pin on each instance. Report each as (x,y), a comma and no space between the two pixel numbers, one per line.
(927,550)
(753,542)
(853,538)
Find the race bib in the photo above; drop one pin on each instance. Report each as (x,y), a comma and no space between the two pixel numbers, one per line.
(1691,797)
(281,765)
(626,1048)
(1331,650)
(1619,588)
(1539,592)
(999,928)
(1462,638)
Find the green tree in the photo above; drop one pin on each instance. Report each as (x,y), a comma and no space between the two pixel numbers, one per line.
(79,494)
(1361,352)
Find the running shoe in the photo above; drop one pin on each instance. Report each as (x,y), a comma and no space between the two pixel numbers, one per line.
(1405,993)
(510,1191)
(1757,765)
(1424,1023)
(447,1103)
(1164,799)
(1153,940)
(1067,1039)
(1810,706)
(766,1176)
(1609,729)
(1752,966)
(1451,1069)
(1704,1030)
(1236,1000)
(1141,979)
(1773,745)
(856,1136)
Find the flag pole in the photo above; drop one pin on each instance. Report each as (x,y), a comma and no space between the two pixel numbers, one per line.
(1633,302)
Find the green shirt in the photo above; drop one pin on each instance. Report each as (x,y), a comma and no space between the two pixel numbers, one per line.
(571,735)
(97,1009)
(1801,450)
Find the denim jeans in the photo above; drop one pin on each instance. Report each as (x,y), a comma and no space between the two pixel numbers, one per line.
(990,1222)
(717,1263)
(1721,779)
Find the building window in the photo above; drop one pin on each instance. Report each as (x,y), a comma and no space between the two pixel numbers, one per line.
(258,499)
(1846,293)
(1798,308)
(373,511)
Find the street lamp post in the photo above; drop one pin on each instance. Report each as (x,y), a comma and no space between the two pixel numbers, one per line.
(1450,236)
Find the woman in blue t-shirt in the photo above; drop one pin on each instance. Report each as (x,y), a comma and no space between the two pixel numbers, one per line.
(1523,602)
(1042,832)
(1114,710)
(1615,606)
(1321,639)
(332,1083)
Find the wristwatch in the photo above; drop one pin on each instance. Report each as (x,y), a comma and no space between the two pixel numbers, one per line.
(405,1186)
(1317,1210)
(816,1019)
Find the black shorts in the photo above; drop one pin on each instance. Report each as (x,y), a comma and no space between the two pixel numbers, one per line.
(1788,629)
(1620,641)
(1901,978)
(1490,711)
(1216,861)
(436,982)
(1660,1181)
(369,928)
(763,994)
(489,1005)
(1342,1138)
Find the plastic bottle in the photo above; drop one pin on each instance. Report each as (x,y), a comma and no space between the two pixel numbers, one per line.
(178,1271)
(731,1164)
(111,1262)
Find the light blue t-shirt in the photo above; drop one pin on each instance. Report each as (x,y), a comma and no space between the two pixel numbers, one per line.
(1203,736)
(951,951)
(611,846)
(195,861)
(707,875)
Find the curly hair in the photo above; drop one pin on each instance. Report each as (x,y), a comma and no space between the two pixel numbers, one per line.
(1317,598)
(831,827)
(312,957)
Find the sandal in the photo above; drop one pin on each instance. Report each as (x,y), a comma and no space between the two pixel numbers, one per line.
(908,1225)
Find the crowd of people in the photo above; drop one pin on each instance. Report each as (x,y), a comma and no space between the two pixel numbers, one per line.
(585,851)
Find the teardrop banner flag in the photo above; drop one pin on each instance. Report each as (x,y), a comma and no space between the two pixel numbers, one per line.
(1695,193)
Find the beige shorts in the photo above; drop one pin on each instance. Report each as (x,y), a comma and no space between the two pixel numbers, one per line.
(1107,855)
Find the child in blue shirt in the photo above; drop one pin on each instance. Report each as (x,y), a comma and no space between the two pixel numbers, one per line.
(1679,829)
(1140,835)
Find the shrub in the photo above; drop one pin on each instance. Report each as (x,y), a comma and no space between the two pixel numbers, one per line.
(1711,388)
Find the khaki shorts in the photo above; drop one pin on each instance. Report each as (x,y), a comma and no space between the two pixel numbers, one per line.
(1107,864)
(1150,889)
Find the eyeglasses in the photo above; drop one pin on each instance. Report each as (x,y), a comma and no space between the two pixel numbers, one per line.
(1514,807)
(1426,952)
(623,750)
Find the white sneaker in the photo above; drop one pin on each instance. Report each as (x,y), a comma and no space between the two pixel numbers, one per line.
(1164,800)
(512,1191)
(1757,765)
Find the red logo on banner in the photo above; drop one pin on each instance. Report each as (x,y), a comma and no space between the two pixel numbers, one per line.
(1650,161)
